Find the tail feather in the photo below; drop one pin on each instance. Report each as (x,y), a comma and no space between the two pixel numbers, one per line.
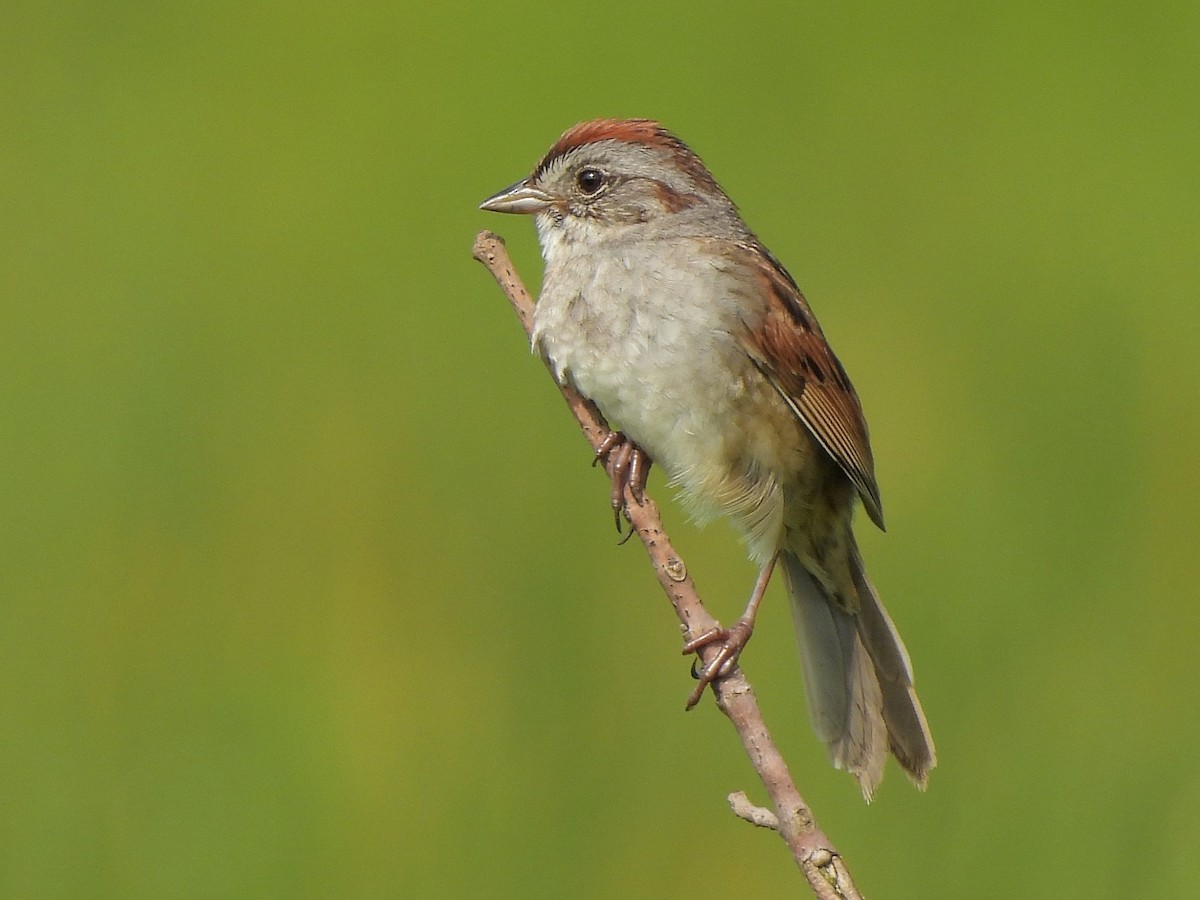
(858,678)
(908,732)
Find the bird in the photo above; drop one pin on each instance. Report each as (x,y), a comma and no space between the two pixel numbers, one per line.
(662,307)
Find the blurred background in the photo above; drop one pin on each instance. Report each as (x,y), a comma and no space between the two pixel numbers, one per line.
(307,587)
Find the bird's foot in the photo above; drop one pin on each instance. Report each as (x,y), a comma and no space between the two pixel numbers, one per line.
(732,641)
(628,466)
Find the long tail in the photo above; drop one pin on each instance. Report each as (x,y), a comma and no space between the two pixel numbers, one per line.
(858,678)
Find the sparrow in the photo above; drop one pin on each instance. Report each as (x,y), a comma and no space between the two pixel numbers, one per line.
(663,308)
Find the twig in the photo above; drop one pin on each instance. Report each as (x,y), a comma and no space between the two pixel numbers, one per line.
(814,854)
(755,815)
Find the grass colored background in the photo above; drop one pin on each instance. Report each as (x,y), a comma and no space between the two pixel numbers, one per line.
(307,588)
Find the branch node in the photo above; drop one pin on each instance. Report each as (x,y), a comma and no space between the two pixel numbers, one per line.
(675,569)
(821,857)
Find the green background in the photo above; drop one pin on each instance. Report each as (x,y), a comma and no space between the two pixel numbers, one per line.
(307,587)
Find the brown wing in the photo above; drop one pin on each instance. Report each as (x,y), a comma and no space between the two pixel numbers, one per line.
(790,350)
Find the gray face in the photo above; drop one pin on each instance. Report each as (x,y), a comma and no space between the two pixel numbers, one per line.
(611,187)
(619,183)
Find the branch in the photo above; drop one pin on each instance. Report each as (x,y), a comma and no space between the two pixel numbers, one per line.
(811,849)
(755,815)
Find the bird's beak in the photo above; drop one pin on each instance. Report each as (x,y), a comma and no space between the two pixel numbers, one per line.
(518,198)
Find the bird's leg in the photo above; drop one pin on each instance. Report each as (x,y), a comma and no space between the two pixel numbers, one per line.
(628,466)
(732,640)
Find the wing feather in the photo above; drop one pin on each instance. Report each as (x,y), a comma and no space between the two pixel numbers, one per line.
(789,348)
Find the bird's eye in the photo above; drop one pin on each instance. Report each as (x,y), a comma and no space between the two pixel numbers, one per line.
(590,180)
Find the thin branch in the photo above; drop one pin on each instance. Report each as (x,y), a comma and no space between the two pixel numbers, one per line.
(755,815)
(814,854)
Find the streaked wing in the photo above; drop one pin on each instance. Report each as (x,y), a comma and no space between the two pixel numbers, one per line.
(790,350)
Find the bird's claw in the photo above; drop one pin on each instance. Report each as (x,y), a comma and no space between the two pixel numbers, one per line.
(628,467)
(732,641)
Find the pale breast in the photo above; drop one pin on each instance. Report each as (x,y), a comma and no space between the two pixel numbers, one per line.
(656,347)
